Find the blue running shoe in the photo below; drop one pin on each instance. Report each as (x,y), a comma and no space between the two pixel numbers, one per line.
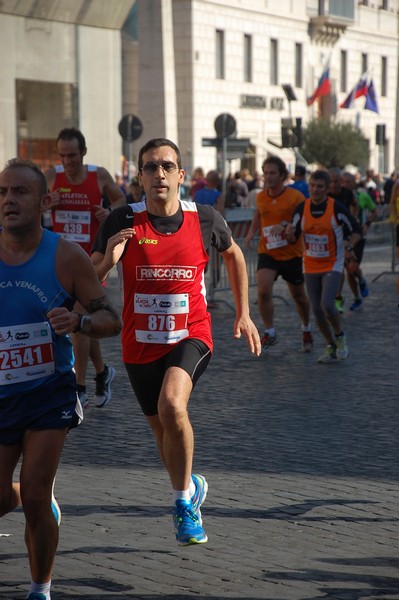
(357,304)
(364,288)
(198,498)
(36,596)
(189,530)
(55,507)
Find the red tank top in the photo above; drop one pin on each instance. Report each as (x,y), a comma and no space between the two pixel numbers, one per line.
(74,218)
(163,287)
(323,240)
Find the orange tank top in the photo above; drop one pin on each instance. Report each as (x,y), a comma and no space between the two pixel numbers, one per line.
(323,239)
(278,211)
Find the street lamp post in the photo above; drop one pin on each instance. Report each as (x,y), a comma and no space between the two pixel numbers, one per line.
(290,95)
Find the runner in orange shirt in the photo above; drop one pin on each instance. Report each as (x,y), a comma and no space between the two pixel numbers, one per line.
(275,208)
(329,233)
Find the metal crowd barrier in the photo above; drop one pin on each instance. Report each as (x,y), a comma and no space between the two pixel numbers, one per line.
(392,235)
(239,220)
(217,274)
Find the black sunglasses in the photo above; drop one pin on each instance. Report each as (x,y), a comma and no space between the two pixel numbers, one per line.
(152,167)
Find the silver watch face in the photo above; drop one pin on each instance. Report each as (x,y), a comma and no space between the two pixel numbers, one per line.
(85,324)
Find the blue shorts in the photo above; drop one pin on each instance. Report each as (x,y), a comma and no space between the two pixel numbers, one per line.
(53,406)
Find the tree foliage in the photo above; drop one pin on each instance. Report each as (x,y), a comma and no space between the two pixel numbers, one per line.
(334,144)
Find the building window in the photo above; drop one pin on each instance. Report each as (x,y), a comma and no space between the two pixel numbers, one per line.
(344,71)
(274,62)
(219,54)
(36,124)
(342,8)
(384,72)
(247,57)
(364,63)
(384,5)
(298,65)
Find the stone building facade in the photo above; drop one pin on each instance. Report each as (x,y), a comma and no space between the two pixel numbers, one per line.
(179,64)
(197,59)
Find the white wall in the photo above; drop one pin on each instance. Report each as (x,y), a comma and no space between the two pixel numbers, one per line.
(55,52)
(100,105)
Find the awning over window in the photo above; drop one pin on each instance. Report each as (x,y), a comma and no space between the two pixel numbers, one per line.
(107,14)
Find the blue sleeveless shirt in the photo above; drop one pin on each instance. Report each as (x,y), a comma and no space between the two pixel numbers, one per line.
(31,354)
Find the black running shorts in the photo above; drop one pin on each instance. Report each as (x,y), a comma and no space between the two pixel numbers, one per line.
(290,270)
(358,250)
(191,355)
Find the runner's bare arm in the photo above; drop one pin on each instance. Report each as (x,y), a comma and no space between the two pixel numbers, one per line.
(55,195)
(103,263)
(111,190)
(253,228)
(78,277)
(109,187)
(238,278)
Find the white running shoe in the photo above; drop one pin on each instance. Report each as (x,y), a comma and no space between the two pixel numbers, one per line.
(342,348)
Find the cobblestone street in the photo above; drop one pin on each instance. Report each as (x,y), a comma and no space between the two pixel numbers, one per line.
(302,461)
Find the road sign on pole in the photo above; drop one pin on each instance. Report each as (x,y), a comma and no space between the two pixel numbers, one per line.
(130,127)
(233,145)
(212,142)
(225,125)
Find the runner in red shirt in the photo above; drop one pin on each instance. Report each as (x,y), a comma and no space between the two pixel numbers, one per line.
(160,246)
(77,211)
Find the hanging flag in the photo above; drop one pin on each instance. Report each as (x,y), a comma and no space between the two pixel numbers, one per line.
(371,98)
(349,100)
(359,90)
(323,87)
(361,86)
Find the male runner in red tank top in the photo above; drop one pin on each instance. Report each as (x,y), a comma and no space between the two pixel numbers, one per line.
(77,191)
(161,248)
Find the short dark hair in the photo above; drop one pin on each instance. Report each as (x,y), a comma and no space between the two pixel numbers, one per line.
(280,164)
(70,133)
(335,171)
(20,163)
(321,174)
(135,181)
(349,175)
(300,170)
(157,143)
